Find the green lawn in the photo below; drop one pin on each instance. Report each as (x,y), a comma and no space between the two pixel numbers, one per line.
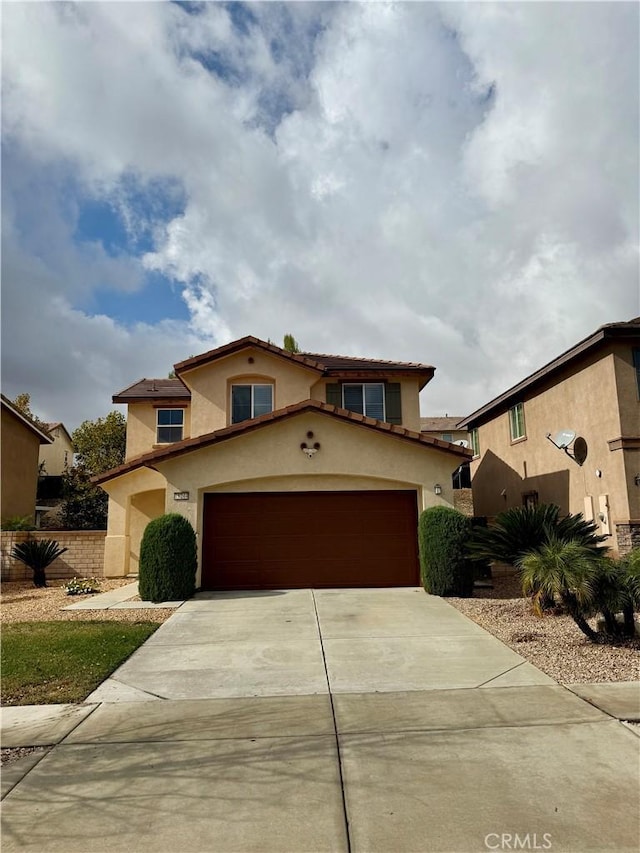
(47,662)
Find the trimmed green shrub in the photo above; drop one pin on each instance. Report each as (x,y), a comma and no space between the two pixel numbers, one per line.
(442,536)
(168,561)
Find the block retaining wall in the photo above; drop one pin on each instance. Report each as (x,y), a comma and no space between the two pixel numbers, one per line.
(85,557)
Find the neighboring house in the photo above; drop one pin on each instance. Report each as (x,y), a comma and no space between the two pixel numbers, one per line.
(592,392)
(447,428)
(20,440)
(296,470)
(59,455)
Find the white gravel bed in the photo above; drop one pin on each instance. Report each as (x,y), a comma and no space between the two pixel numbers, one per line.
(21,601)
(553,643)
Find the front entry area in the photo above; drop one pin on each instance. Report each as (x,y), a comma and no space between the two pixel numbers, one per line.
(288,540)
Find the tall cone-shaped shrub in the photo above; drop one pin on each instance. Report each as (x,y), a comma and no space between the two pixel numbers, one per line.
(442,536)
(168,561)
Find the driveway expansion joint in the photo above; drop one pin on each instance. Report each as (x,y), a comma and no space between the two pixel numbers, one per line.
(335,729)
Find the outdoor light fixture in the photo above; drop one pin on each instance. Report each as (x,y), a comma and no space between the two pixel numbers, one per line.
(308,449)
(636,479)
(437,489)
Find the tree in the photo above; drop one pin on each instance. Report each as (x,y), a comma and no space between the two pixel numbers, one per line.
(291,344)
(99,446)
(23,403)
(37,554)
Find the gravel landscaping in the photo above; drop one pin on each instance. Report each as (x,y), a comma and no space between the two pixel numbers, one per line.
(554,643)
(20,601)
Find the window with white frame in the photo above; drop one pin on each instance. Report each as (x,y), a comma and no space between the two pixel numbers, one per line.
(474,438)
(516,422)
(365,398)
(250,401)
(169,426)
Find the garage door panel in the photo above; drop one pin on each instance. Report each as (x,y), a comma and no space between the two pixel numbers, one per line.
(310,539)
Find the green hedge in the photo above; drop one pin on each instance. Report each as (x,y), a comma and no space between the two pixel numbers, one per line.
(445,569)
(168,561)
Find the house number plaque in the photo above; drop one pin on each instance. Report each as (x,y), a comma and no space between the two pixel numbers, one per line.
(181,496)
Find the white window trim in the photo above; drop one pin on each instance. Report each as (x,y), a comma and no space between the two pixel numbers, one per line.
(251,385)
(364,402)
(475,445)
(513,419)
(169,409)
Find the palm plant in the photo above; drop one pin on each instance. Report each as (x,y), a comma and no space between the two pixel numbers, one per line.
(567,569)
(517,531)
(37,554)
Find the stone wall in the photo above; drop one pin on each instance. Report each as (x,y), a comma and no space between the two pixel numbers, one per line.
(463,501)
(84,557)
(628,536)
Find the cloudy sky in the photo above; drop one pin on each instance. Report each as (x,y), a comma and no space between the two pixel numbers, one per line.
(449,183)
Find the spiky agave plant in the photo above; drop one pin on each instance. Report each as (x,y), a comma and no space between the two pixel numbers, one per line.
(37,554)
(568,570)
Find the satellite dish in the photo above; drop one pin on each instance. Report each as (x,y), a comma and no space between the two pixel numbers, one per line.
(462,442)
(580,450)
(563,438)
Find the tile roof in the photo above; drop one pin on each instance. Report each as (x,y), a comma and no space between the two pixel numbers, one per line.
(146,389)
(628,329)
(325,365)
(202,441)
(447,424)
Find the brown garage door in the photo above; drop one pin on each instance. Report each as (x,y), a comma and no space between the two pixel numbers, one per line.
(309,539)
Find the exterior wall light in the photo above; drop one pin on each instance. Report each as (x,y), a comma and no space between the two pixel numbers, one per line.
(437,489)
(636,479)
(310,449)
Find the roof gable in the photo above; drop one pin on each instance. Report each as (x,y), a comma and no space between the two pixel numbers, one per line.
(627,330)
(202,441)
(44,437)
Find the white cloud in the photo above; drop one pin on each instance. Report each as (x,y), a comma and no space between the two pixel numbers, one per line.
(450,183)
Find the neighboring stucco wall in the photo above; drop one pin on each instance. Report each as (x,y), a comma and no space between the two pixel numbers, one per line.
(210,385)
(84,557)
(141,426)
(582,398)
(20,448)
(57,456)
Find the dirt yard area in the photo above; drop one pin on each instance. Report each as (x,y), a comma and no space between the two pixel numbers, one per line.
(553,643)
(20,601)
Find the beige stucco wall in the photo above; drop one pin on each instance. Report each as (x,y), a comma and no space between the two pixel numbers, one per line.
(20,448)
(456,434)
(57,456)
(144,507)
(141,426)
(270,459)
(582,398)
(629,406)
(210,385)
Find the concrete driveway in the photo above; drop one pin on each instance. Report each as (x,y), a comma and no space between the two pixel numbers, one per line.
(333,720)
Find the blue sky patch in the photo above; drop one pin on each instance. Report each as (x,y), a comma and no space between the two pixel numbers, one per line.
(159,299)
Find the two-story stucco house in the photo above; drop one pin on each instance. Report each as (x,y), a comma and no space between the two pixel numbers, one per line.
(21,440)
(296,470)
(590,393)
(58,456)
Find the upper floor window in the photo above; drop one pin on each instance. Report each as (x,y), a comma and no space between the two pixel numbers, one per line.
(365,398)
(169,426)
(250,401)
(447,436)
(516,422)
(474,438)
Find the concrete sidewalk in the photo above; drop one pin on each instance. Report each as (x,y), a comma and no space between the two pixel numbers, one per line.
(370,720)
